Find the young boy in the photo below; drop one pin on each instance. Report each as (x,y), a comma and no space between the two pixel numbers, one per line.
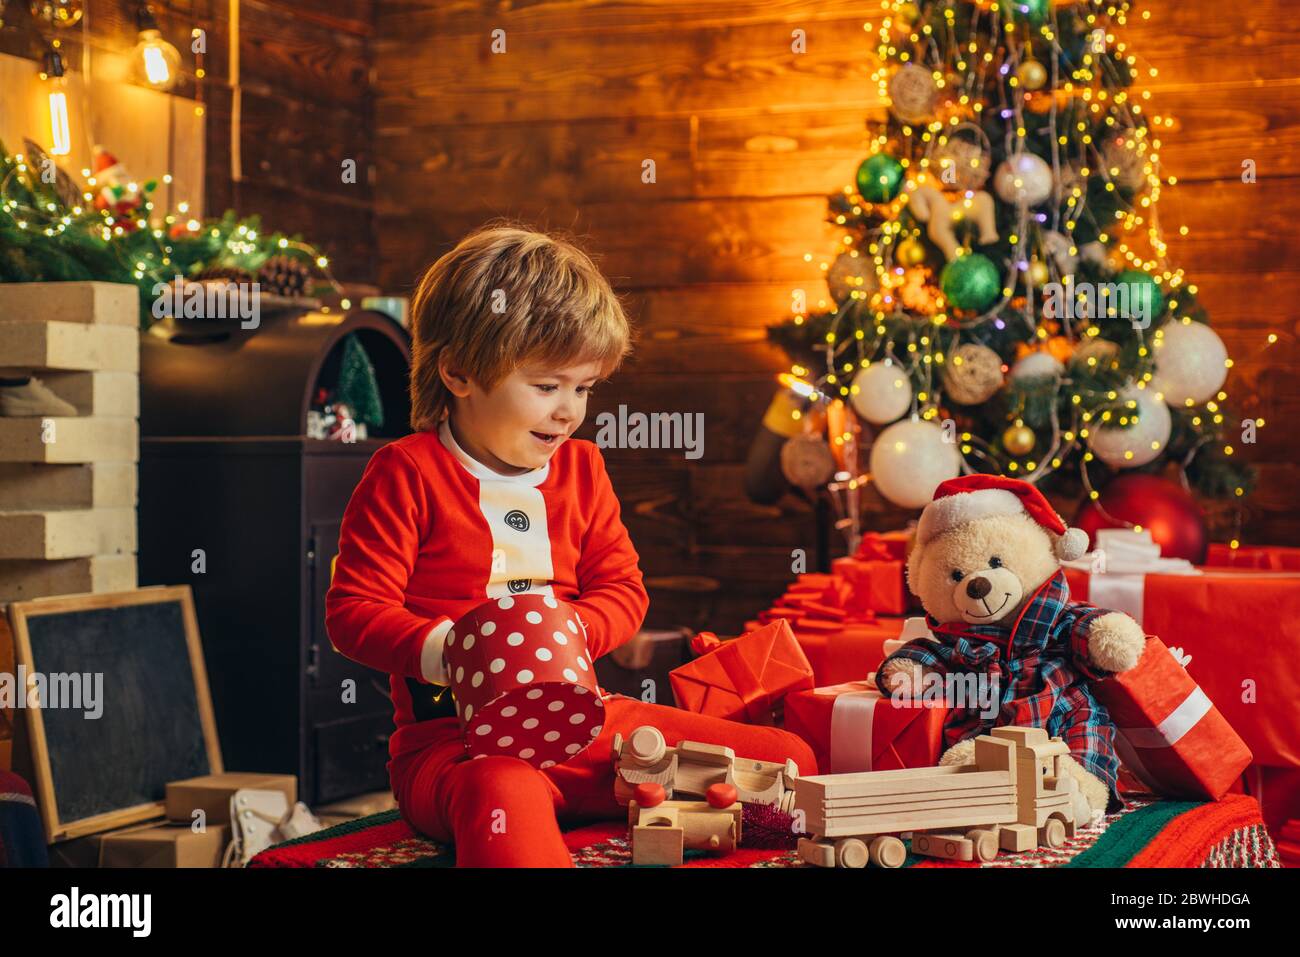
(511,330)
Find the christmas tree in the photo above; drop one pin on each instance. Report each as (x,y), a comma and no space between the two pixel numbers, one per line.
(1003,302)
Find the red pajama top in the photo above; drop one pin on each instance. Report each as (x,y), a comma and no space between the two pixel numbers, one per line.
(430,533)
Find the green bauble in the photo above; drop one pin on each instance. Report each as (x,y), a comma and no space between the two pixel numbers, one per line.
(1146,301)
(971,282)
(1033,12)
(880,177)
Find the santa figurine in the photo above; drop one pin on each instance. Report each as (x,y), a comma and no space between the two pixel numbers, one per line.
(118,192)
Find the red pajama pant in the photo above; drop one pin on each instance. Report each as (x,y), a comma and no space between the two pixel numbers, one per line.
(502,812)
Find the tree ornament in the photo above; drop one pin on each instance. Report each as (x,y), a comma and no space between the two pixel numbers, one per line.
(1019,439)
(972,374)
(1142,298)
(118,191)
(1094,253)
(1128,448)
(881,393)
(1191,363)
(942,214)
(850,274)
(1023,180)
(358,387)
(916,293)
(806,461)
(913,94)
(1103,351)
(1033,12)
(909,253)
(1164,508)
(1038,272)
(1123,164)
(880,178)
(1036,365)
(971,282)
(1058,247)
(1031,74)
(908,13)
(963,162)
(908,461)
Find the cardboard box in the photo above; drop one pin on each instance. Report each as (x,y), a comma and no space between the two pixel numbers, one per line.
(109,303)
(164,845)
(211,793)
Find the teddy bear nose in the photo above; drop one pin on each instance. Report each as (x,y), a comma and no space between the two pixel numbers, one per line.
(978,587)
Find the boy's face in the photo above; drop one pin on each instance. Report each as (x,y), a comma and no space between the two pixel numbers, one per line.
(517,425)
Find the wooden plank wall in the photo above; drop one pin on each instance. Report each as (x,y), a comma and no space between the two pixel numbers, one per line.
(748,138)
(304,71)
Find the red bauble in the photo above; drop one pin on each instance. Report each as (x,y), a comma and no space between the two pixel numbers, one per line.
(1160,506)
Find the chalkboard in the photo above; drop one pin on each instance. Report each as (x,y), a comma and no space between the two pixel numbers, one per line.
(134,660)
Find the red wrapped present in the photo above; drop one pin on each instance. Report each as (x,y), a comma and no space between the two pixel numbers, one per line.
(1236,631)
(841,652)
(1270,558)
(743,679)
(523,681)
(873,585)
(852,727)
(884,546)
(1170,734)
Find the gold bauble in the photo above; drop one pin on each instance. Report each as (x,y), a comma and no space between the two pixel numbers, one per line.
(910,253)
(908,13)
(1038,272)
(807,461)
(1032,75)
(1019,439)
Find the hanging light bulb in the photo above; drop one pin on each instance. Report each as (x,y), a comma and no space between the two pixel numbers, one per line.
(60,135)
(157,63)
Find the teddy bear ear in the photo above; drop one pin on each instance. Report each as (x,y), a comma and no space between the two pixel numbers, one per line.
(1072,544)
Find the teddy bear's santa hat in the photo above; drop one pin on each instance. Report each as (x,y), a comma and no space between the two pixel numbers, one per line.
(970,497)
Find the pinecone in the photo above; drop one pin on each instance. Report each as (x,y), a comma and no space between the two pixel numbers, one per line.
(284,276)
(228,273)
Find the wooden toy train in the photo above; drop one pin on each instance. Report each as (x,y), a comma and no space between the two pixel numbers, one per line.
(1016,796)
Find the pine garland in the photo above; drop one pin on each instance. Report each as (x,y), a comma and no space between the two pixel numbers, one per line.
(44,239)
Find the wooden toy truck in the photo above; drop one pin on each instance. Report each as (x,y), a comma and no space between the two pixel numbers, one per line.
(691,767)
(660,831)
(1016,796)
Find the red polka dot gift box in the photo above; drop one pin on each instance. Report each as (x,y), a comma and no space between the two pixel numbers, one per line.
(523,680)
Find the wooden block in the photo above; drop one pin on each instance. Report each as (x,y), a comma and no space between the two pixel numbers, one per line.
(912,811)
(107,303)
(714,755)
(25,346)
(1017,837)
(97,393)
(817,853)
(1023,736)
(21,579)
(91,439)
(33,486)
(67,534)
(659,846)
(924,820)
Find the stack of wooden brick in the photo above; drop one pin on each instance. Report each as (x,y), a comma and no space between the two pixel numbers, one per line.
(68,483)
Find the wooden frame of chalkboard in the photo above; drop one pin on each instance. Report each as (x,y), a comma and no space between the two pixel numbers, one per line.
(54,749)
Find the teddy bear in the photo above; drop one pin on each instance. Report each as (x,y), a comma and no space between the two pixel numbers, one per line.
(986,567)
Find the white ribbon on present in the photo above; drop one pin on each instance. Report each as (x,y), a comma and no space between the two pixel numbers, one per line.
(1164,735)
(1119,566)
(853,716)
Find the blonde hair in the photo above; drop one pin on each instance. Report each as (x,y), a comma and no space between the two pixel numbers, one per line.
(504,295)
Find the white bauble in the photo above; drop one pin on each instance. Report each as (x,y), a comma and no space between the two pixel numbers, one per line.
(909,460)
(881,393)
(1191,363)
(1024,180)
(1036,365)
(1123,448)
